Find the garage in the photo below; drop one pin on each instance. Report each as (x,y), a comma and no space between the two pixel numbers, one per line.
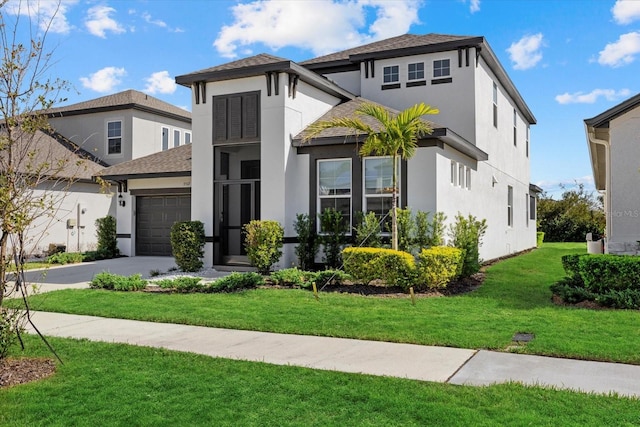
(154,217)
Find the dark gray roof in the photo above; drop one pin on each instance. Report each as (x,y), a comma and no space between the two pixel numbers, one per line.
(172,162)
(252,61)
(334,136)
(129,99)
(405,41)
(53,156)
(603,119)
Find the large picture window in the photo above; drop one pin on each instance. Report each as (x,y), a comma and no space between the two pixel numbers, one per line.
(378,185)
(114,137)
(334,187)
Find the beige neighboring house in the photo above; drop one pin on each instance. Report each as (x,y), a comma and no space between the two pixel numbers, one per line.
(107,131)
(154,192)
(613,138)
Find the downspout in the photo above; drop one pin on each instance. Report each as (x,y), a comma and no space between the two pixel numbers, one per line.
(607,184)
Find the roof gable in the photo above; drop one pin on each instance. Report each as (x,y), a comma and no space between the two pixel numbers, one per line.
(603,119)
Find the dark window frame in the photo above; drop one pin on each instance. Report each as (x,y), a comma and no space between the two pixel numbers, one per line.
(236,118)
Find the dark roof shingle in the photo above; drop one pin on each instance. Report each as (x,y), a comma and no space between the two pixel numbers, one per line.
(172,162)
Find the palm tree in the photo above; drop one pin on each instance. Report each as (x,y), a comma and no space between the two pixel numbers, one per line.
(393,135)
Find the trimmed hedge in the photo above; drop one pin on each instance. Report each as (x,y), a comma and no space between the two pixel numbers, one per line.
(187,244)
(263,242)
(439,265)
(390,266)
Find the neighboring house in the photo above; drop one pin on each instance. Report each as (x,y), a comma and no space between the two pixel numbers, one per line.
(250,162)
(613,138)
(109,130)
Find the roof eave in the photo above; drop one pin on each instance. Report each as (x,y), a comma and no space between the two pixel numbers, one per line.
(127,176)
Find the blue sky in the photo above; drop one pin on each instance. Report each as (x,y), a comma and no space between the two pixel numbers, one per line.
(570,59)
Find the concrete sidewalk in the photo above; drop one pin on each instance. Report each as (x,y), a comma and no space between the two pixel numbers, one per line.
(425,363)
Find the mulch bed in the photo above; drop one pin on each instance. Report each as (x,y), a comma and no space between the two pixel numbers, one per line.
(591,305)
(14,371)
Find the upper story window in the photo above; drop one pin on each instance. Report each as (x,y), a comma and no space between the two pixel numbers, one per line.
(236,117)
(495,105)
(454,174)
(416,71)
(391,74)
(334,187)
(176,138)
(114,137)
(527,142)
(515,128)
(165,139)
(441,68)
(187,137)
(461,175)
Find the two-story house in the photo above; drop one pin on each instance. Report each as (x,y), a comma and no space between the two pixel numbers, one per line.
(111,130)
(250,160)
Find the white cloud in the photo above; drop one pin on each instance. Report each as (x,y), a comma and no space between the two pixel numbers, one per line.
(104,80)
(98,21)
(322,26)
(149,20)
(49,15)
(626,11)
(474,6)
(160,82)
(621,52)
(525,53)
(591,97)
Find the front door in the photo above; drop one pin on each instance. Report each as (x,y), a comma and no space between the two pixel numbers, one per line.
(238,204)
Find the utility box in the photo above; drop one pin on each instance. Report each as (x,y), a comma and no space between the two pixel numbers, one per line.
(71,223)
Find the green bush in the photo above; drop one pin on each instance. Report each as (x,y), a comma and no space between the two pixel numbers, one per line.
(572,291)
(187,244)
(334,229)
(438,265)
(466,234)
(367,230)
(65,258)
(406,230)
(115,282)
(10,327)
(390,266)
(539,238)
(291,277)
(263,242)
(236,282)
(107,237)
(330,277)
(308,243)
(183,284)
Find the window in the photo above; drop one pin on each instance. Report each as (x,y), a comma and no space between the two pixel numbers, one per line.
(454,168)
(510,206)
(532,208)
(441,68)
(515,128)
(468,180)
(165,139)
(527,142)
(187,137)
(114,137)
(236,117)
(416,71)
(378,185)
(526,204)
(495,105)
(391,74)
(461,175)
(176,138)
(334,187)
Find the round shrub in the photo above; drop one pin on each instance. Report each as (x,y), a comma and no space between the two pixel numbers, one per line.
(263,242)
(187,244)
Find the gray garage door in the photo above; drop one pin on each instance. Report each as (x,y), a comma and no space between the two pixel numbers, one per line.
(154,217)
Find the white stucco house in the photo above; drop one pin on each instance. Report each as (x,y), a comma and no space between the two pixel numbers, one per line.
(249,161)
(102,132)
(613,138)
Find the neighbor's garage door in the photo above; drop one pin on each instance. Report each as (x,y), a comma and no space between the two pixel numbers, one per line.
(154,217)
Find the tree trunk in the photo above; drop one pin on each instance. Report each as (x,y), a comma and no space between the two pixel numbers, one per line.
(394,205)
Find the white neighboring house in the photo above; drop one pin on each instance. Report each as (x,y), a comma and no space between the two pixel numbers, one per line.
(249,161)
(613,138)
(109,130)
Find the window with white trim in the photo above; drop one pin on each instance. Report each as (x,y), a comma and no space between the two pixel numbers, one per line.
(509,206)
(495,105)
(114,137)
(441,68)
(454,175)
(527,142)
(378,185)
(187,137)
(391,74)
(532,207)
(416,71)
(515,128)
(526,204)
(165,139)
(468,178)
(176,138)
(334,187)
(461,175)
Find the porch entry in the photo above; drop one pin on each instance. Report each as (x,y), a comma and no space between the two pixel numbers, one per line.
(237,199)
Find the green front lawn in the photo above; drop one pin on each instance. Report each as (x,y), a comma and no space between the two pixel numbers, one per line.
(514,298)
(118,385)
